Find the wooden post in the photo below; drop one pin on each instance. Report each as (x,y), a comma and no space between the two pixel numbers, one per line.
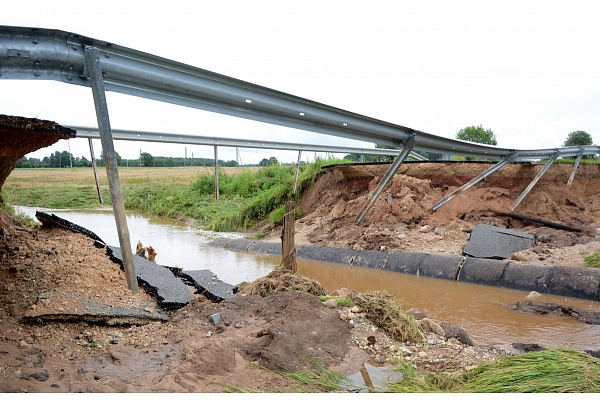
(95,171)
(288,247)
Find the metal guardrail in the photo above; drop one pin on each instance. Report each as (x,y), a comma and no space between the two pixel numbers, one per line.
(45,54)
(161,137)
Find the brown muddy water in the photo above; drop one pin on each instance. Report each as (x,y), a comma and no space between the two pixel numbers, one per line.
(481,310)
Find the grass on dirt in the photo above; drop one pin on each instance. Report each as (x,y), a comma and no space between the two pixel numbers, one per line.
(592,261)
(246,195)
(548,371)
(387,312)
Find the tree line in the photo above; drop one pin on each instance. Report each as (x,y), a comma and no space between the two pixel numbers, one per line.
(67,160)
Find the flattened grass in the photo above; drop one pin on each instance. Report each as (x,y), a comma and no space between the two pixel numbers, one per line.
(548,371)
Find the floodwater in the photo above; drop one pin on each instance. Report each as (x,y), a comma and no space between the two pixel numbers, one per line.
(481,310)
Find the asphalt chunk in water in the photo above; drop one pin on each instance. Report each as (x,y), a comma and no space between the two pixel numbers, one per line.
(209,285)
(489,241)
(170,292)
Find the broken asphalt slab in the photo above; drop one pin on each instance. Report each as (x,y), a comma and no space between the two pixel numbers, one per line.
(51,220)
(93,311)
(209,285)
(488,241)
(159,281)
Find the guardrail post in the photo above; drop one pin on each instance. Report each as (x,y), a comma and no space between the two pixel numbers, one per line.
(408,146)
(579,156)
(216,174)
(297,172)
(475,180)
(534,181)
(94,70)
(95,171)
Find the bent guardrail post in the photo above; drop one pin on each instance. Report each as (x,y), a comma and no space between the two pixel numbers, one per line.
(408,146)
(95,171)
(475,180)
(535,180)
(94,70)
(579,156)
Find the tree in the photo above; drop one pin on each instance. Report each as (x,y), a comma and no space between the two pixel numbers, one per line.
(477,134)
(578,138)
(147,159)
(271,161)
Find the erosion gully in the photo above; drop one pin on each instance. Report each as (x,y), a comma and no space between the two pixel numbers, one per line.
(481,310)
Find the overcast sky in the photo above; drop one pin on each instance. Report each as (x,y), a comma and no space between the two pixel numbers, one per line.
(528,70)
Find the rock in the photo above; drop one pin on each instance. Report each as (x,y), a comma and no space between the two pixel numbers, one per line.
(404,350)
(533,294)
(344,315)
(425,229)
(427,325)
(544,238)
(371,340)
(379,358)
(527,347)
(338,209)
(215,319)
(416,313)
(23,343)
(453,331)
(422,354)
(390,199)
(42,376)
(439,231)
(350,315)
(401,228)
(355,310)
(382,248)
(331,303)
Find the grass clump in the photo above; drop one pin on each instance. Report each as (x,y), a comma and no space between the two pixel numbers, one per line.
(388,313)
(281,280)
(548,371)
(592,261)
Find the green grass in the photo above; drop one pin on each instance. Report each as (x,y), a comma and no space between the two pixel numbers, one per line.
(592,261)
(548,371)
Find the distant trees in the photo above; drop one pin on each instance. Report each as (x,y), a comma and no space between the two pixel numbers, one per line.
(265,163)
(477,134)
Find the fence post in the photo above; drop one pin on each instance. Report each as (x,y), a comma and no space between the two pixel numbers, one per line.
(95,171)
(216,174)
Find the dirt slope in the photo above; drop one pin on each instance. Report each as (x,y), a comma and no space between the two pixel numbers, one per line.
(331,205)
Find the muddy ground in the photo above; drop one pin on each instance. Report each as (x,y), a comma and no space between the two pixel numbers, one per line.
(46,270)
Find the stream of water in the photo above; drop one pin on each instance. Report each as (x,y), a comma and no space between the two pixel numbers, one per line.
(481,310)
